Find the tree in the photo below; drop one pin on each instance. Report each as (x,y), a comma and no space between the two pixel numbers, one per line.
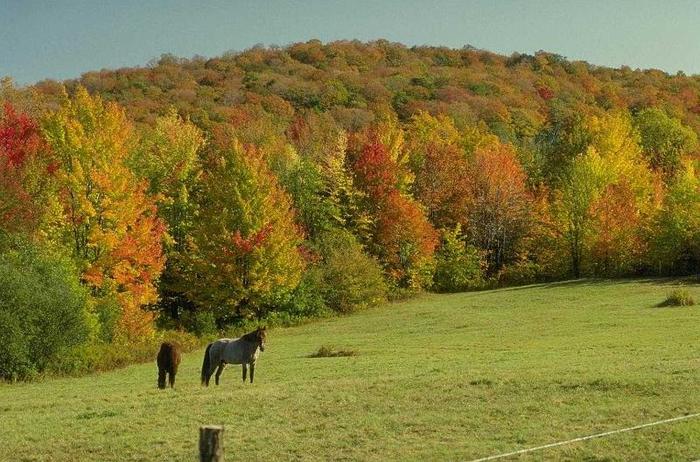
(618,245)
(458,266)
(402,237)
(245,244)
(26,173)
(565,137)
(111,226)
(443,186)
(499,217)
(350,279)
(427,132)
(610,181)
(342,191)
(665,140)
(582,187)
(168,159)
(675,237)
(43,310)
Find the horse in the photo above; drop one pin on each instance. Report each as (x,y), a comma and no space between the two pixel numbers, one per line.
(168,359)
(243,350)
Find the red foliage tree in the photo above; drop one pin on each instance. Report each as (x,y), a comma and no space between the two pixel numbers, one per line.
(403,238)
(24,171)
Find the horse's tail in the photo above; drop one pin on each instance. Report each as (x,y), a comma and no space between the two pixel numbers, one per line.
(206,364)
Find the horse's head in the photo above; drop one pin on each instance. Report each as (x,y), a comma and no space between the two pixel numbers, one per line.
(262,337)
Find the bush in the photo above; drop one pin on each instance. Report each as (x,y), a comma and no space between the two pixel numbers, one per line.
(305,301)
(351,280)
(200,323)
(103,356)
(519,273)
(458,266)
(107,310)
(678,297)
(330,352)
(43,311)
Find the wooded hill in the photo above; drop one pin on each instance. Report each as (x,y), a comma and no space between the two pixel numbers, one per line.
(280,183)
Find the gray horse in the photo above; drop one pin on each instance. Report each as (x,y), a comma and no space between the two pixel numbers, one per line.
(243,350)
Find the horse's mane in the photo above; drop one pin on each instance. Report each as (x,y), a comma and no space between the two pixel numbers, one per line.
(252,337)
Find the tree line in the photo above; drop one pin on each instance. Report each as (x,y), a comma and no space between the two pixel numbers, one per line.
(203,194)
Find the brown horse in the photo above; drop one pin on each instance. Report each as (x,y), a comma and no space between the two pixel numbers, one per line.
(168,359)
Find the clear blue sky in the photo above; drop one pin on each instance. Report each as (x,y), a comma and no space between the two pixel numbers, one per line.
(63,38)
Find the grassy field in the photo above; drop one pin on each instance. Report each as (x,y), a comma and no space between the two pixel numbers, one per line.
(441,377)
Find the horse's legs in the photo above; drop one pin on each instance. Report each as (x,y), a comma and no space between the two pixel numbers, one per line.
(209,373)
(219,371)
(252,371)
(161,377)
(171,377)
(244,371)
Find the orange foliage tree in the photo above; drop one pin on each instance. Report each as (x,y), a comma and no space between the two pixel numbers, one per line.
(442,185)
(111,225)
(499,218)
(618,244)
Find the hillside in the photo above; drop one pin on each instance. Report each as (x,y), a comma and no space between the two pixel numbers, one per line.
(280,184)
(440,377)
(350,79)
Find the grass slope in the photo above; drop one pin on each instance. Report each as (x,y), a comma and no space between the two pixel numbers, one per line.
(442,377)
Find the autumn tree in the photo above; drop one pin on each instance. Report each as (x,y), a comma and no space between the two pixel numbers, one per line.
(342,191)
(402,237)
(245,243)
(611,170)
(499,217)
(26,173)
(675,240)
(618,245)
(167,157)
(426,132)
(665,140)
(439,163)
(443,186)
(111,225)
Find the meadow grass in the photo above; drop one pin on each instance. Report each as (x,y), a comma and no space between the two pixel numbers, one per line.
(440,377)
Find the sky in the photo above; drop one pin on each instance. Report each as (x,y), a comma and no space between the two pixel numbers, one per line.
(61,39)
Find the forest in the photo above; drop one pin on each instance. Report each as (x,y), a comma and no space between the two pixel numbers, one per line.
(276,184)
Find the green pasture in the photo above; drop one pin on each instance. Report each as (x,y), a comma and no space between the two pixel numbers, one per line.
(440,377)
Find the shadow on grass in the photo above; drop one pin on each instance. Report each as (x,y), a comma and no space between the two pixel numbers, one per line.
(583,282)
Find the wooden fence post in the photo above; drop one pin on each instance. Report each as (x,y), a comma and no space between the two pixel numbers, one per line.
(211,443)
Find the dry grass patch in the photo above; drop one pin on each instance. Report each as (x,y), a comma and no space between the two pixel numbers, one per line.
(678,297)
(330,352)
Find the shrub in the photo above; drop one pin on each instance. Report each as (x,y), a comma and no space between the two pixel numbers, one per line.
(458,266)
(678,297)
(43,311)
(103,356)
(107,310)
(330,352)
(200,323)
(351,280)
(520,272)
(304,301)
